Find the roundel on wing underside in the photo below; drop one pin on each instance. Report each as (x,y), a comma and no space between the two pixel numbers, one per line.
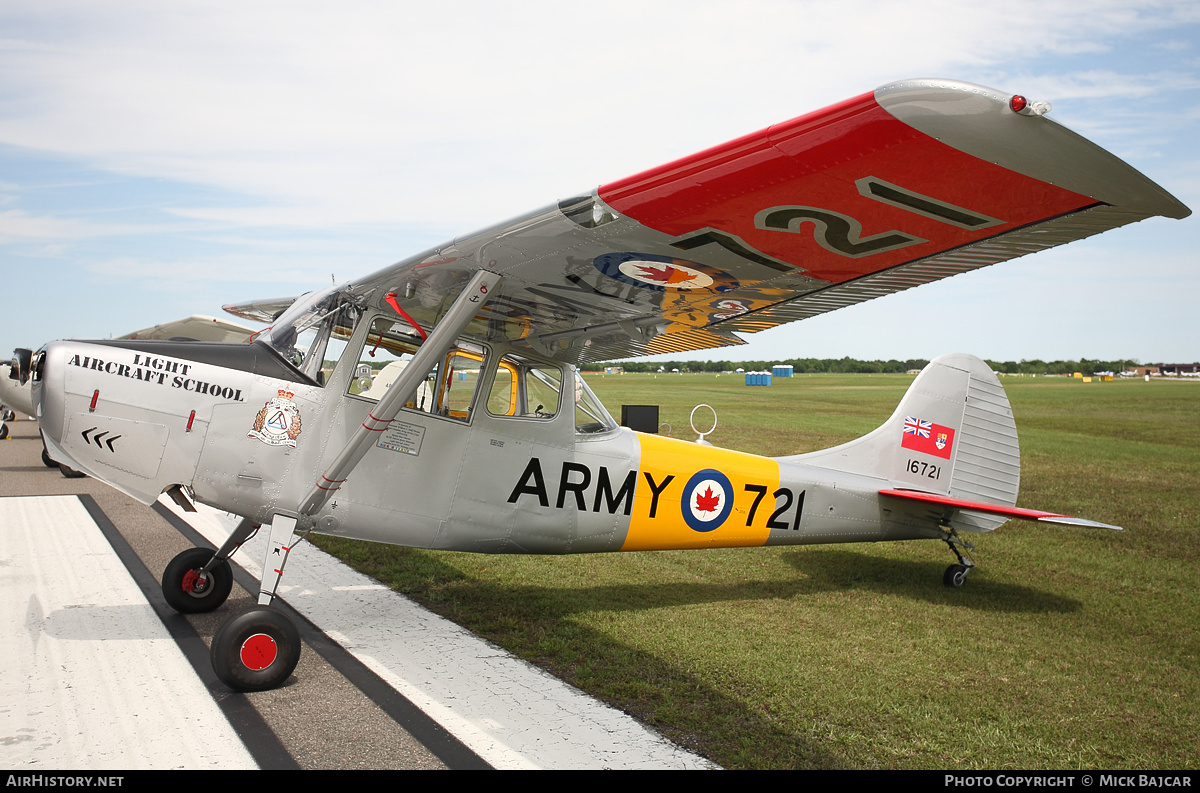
(707,500)
(660,273)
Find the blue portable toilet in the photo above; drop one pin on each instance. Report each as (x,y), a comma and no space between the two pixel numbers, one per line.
(782,370)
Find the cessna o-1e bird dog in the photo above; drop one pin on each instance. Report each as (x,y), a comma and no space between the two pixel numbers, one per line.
(478,434)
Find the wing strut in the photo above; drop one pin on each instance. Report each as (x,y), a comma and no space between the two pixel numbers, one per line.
(439,342)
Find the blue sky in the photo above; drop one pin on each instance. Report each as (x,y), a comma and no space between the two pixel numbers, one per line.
(160,159)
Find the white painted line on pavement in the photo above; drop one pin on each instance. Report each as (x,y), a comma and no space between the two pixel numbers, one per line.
(89,677)
(509,712)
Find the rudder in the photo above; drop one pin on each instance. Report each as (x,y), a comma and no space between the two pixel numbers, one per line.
(953,433)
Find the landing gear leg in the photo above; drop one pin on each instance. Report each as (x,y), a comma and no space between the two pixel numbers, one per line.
(956,574)
(259,648)
(282,537)
(244,531)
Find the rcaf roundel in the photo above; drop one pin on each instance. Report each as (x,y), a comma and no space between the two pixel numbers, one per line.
(707,500)
(660,273)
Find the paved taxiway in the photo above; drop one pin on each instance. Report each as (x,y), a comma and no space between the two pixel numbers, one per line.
(97,672)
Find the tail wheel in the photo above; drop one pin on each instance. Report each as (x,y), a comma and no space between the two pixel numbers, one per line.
(955,575)
(190,591)
(256,650)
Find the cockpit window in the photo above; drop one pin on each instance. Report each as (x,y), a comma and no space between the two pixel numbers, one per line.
(311,335)
(447,390)
(523,388)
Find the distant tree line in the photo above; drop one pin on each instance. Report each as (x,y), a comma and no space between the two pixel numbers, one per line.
(855,366)
(799,365)
(1083,365)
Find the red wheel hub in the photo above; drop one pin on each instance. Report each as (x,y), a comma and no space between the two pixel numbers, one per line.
(259,652)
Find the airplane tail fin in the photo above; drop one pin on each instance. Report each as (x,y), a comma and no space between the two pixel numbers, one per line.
(953,434)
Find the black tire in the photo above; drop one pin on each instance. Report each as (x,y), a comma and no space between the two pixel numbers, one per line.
(190,593)
(955,576)
(3,431)
(256,650)
(70,473)
(46,461)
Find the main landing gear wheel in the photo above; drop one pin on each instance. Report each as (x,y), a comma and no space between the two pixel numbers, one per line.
(71,473)
(190,591)
(955,575)
(256,650)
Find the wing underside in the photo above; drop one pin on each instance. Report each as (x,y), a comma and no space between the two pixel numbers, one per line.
(912,183)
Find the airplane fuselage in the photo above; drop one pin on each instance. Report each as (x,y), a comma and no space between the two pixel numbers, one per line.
(243,439)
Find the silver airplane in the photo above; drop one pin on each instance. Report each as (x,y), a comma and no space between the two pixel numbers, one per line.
(437,402)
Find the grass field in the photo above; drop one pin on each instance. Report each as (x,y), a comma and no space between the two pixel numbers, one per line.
(1067,648)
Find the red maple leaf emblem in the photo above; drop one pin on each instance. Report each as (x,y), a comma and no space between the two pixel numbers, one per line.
(706,501)
(668,274)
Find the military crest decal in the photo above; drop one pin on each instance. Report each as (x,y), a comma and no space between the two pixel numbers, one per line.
(278,423)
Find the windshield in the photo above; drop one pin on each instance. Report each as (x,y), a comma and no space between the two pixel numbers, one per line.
(303,332)
(590,415)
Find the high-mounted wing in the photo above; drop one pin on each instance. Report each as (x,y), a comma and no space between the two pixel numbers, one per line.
(917,181)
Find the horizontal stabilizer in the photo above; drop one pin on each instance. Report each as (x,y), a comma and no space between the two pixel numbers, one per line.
(261,310)
(996,509)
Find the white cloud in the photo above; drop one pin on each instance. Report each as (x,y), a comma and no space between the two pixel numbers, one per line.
(431,120)
(383,110)
(19,226)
